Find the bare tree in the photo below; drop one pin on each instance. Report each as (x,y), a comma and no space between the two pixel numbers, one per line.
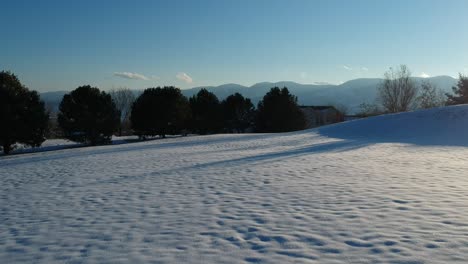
(123,99)
(398,92)
(430,96)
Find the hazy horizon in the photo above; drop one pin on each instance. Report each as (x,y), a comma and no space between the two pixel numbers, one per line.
(243,85)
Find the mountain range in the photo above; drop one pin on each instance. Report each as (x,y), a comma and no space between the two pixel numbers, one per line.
(349,94)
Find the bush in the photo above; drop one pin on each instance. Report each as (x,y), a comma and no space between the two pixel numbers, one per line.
(279,112)
(160,111)
(88,115)
(367,110)
(23,117)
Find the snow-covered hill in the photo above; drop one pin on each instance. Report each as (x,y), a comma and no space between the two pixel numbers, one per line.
(437,126)
(390,189)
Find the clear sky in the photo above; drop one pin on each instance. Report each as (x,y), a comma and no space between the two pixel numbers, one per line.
(59,45)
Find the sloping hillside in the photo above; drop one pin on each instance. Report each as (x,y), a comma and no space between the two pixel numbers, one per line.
(447,126)
(390,189)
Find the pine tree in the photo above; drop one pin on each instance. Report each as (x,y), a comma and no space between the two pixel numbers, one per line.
(206,111)
(23,117)
(460,92)
(279,112)
(160,111)
(88,115)
(238,113)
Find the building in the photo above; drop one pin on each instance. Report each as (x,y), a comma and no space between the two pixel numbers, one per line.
(321,115)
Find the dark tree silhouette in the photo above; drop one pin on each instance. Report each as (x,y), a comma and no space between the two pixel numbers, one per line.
(88,115)
(23,117)
(279,112)
(206,111)
(238,113)
(460,91)
(160,111)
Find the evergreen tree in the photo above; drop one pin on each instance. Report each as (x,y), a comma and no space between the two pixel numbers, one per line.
(238,113)
(160,111)
(23,116)
(460,92)
(88,115)
(206,111)
(279,112)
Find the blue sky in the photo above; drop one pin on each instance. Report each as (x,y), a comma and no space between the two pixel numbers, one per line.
(59,45)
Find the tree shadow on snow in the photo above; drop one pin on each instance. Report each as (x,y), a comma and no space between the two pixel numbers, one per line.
(82,151)
(328,147)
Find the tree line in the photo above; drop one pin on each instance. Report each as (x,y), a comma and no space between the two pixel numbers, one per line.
(91,116)
(398,92)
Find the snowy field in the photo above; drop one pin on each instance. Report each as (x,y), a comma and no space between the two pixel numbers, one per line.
(58,144)
(390,189)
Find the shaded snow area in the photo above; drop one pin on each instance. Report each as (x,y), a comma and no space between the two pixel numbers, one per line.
(390,189)
(58,144)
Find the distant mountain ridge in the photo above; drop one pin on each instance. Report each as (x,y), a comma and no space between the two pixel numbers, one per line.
(350,94)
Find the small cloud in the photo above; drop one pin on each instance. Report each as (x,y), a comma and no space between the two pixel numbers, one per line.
(303,75)
(154,77)
(131,75)
(365,69)
(184,77)
(347,68)
(424,75)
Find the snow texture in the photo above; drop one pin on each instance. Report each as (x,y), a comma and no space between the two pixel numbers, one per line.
(390,189)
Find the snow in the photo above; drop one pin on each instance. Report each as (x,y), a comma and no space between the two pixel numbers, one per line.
(389,189)
(48,145)
(57,144)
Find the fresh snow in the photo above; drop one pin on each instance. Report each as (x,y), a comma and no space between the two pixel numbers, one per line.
(56,144)
(389,189)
